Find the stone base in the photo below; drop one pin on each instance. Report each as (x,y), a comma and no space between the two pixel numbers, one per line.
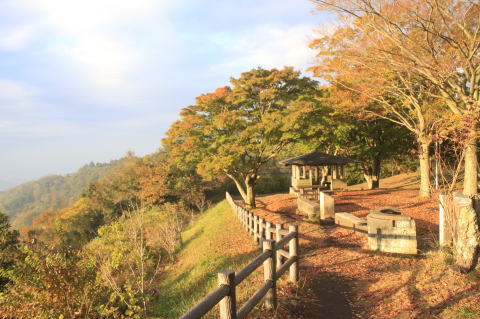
(391,233)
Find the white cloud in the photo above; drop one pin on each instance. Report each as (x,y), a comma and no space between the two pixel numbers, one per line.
(100,36)
(145,121)
(14,95)
(269,47)
(16,38)
(4,124)
(106,61)
(38,128)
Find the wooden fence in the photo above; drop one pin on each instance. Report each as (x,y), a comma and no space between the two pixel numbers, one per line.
(274,258)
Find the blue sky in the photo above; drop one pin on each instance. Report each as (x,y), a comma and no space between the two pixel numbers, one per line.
(89,80)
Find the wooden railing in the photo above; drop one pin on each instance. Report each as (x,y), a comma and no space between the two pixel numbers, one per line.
(274,258)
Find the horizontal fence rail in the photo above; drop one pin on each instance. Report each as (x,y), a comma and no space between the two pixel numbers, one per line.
(275,260)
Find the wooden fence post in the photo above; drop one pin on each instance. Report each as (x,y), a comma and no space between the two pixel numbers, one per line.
(255,228)
(250,217)
(244,218)
(269,275)
(268,232)
(278,236)
(260,231)
(293,252)
(228,305)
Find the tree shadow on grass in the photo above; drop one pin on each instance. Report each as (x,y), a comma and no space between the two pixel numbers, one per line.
(185,243)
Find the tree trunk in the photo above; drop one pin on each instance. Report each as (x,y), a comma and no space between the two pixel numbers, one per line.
(324,171)
(424,159)
(250,185)
(376,172)
(467,235)
(372,173)
(240,188)
(470,184)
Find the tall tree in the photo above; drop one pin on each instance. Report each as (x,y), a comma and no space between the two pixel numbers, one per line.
(438,41)
(369,87)
(236,130)
(370,141)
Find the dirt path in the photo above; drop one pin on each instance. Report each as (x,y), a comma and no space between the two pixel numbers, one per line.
(339,278)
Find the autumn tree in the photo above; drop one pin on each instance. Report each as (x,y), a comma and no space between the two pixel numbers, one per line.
(369,141)
(8,251)
(152,173)
(437,41)
(115,193)
(368,87)
(236,130)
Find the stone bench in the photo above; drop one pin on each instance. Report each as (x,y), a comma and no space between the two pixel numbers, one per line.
(347,220)
(308,207)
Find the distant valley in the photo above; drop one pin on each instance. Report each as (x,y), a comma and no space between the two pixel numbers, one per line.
(23,202)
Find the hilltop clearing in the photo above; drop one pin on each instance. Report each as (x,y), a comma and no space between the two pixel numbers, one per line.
(341,278)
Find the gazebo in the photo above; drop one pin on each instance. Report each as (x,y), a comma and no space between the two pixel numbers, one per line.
(317,170)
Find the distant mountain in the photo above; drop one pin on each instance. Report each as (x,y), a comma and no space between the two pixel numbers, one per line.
(52,192)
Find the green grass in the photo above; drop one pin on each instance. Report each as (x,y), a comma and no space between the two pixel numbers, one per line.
(467,312)
(201,256)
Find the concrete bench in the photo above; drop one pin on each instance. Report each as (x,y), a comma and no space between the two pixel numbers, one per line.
(347,220)
(308,207)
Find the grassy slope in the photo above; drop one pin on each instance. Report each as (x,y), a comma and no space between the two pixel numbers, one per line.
(213,242)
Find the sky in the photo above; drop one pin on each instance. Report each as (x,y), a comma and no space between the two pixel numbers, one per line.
(87,81)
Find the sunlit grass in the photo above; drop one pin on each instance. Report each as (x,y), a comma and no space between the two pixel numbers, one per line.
(213,242)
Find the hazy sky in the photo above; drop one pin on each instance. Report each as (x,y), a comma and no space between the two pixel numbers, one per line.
(88,80)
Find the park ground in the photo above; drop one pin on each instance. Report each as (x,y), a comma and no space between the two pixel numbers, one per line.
(339,276)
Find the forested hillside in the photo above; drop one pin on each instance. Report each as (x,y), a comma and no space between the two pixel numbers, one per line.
(52,192)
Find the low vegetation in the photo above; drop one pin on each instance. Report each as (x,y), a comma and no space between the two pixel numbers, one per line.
(208,247)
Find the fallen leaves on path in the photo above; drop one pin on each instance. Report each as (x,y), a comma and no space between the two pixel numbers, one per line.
(341,278)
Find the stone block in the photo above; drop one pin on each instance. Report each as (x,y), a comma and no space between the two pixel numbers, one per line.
(338,184)
(347,220)
(308,207)
(327,206)
(390,231)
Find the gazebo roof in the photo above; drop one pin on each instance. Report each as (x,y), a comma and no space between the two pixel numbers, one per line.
(316,159)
